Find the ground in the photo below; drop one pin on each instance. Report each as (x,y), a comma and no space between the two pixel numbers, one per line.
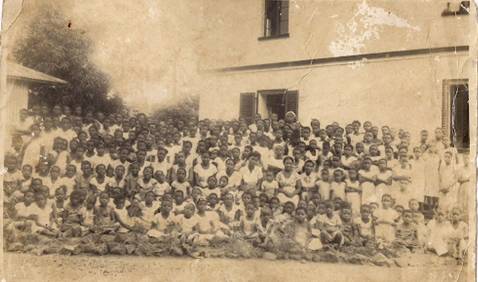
(27,267)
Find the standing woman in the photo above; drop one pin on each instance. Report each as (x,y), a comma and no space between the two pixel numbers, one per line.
(289,182)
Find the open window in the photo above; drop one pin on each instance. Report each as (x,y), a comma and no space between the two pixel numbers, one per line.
(278,102)
(456,111)
(276,19)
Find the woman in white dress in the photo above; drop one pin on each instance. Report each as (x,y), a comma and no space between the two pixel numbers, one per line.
(289,182)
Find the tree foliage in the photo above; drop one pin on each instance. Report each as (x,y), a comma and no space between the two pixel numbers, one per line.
(53,46)
(185,110)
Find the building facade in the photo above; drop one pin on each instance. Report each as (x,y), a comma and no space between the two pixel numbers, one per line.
(20,80)
(405,64)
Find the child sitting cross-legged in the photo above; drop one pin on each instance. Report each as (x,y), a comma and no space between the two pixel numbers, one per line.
(348,228)
(329,225)
(406,233)
(365,226)
(104,216)
(73,216)
(209,226)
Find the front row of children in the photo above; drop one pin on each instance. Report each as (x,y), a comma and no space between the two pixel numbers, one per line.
(262,221)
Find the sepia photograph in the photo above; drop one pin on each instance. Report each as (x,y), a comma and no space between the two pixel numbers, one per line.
(247,140)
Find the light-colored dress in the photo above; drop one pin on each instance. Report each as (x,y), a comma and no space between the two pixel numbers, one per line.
(288,184)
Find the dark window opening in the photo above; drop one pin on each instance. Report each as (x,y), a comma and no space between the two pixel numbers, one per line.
(459,116)
(276,23)
(278,102)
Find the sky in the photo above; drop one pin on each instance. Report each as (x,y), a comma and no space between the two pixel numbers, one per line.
(148,47)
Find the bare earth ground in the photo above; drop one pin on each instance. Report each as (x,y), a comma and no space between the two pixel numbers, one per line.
(27,267)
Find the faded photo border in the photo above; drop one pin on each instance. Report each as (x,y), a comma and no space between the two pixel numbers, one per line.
(196,268)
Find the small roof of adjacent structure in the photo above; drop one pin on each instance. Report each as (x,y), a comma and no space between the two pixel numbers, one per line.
(19,72)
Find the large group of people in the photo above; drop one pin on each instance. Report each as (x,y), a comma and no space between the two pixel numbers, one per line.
(269,182)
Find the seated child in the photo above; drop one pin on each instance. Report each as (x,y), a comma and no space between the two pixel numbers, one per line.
(303,235)
(208,227)
(439,230)
(349,228)
(162,187)
(386,221)
(181,183)
(212,202)
(269,185)
(42,210)
(74,216)
(89,210)
(459,235)
(211,187)
(275,206)
(329,225)
(163,221)
(228,210)
(58,206)
(104,216)
(366,227)
(418,220)
(146,183)
(311,211)
(187,223)
(406,233)
(250,225)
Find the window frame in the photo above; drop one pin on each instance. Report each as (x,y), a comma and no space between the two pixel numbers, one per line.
(281,34)
(446,106)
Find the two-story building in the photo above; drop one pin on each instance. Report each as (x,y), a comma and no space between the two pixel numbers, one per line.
(401,63)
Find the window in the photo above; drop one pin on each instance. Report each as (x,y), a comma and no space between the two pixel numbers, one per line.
(276,19)
(456,112)
(274,101)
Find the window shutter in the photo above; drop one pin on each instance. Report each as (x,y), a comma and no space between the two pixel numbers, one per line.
(292,102)
(284,17)
(247,106)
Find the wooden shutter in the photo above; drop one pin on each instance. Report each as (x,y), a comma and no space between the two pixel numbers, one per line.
(292,102)
(247,108)
(284,17)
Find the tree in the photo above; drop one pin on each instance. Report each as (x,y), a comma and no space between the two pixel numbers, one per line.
(53,46)
(184,110)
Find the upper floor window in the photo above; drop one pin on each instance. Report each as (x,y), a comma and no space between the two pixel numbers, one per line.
(276,19)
